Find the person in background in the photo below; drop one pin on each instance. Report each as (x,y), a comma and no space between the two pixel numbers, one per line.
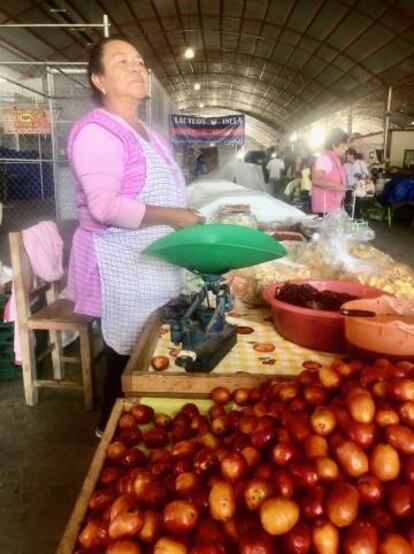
(355,168)
(130,192)
(295,168)
(328,174)
(275,167)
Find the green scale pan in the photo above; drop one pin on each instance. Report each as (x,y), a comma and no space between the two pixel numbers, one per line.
(216,248)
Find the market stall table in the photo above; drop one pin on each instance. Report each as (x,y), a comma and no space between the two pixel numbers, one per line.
(247,364)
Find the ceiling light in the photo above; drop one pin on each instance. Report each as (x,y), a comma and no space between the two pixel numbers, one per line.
(412,123)
(189,54)
(197,86)
(57,10)
(212,144)
(202,106)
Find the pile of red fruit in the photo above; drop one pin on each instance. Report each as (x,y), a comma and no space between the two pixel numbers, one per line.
(323,463)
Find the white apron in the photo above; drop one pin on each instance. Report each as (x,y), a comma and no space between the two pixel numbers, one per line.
(133,285)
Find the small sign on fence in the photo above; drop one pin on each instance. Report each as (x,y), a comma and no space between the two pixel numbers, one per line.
(26,120)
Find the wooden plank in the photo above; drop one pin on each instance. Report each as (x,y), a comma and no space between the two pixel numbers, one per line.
(51,384)
(196,385)
(142,354)
(136,378)
(68,541)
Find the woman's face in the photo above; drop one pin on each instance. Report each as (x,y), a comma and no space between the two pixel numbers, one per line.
(124,72)
(340,148)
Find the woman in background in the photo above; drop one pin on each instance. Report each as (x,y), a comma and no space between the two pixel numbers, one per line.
(328,175)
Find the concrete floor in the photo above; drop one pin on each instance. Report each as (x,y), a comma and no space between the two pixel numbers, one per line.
(45,451)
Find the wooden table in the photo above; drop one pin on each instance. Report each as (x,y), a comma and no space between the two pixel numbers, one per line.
(139,378)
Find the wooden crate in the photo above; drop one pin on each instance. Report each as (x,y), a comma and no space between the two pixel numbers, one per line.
(70,535)
(136,378)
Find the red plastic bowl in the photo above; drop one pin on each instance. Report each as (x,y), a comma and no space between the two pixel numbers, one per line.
(316,329)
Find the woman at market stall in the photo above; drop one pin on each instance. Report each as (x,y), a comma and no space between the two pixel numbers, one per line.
(328,175)
(129,192)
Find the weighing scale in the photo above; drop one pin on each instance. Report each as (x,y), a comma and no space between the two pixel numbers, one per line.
(198,322)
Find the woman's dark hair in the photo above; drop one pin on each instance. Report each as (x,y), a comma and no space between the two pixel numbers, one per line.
(336,137)
(352,152)
(95,65)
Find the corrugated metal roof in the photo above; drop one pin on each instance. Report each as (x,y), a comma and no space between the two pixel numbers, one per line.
(280,61)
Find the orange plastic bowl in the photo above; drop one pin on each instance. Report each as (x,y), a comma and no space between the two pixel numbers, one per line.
(383,336)
(315,329)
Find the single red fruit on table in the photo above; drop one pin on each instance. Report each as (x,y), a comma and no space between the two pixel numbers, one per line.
(151,529)
(156,437)
(204,461)
(110,475)
(362,406)
(179,516)
(221,502)
(394,544)
(134,457)
(313,503)
(142,413)
(94,534)
(244,330)
(160,363)
(233,467)
(352,459)
(283,483)
(279,515)
(304,474)
(169,545)
(241,397)
(401,501)
(361,538)
(325,538)
(115,451)
(100,500)
(298,539)
(342,504)
(256,491)
(126,524)
(385,462)
(264,347)
(123,546)
(282,453)
(220,395)
(327,469)
(400,437)
(315,446)
(323,421)
(371,490)
(362,434)
(256,542)
(127,421)
(381,520)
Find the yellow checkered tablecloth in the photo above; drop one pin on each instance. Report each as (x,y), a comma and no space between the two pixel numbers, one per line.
(286,358)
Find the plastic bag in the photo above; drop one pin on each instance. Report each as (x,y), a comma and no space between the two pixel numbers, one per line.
(248,284)
(337,233)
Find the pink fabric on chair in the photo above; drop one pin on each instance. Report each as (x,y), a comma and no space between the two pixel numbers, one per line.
(43,247)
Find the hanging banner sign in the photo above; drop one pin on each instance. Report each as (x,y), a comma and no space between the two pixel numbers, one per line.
(205,130)
(25,120)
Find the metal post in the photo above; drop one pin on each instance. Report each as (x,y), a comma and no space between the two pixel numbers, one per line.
(387,127)
(106,25)
(149,99)
(42,188)
(50,91)
(349,122)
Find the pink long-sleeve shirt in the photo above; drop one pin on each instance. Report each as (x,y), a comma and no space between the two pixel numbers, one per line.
(109,170)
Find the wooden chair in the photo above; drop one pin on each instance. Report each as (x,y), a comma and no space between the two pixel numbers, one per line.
(55,317)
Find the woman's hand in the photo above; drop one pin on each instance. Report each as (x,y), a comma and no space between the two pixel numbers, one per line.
(185,217)
(175,217)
